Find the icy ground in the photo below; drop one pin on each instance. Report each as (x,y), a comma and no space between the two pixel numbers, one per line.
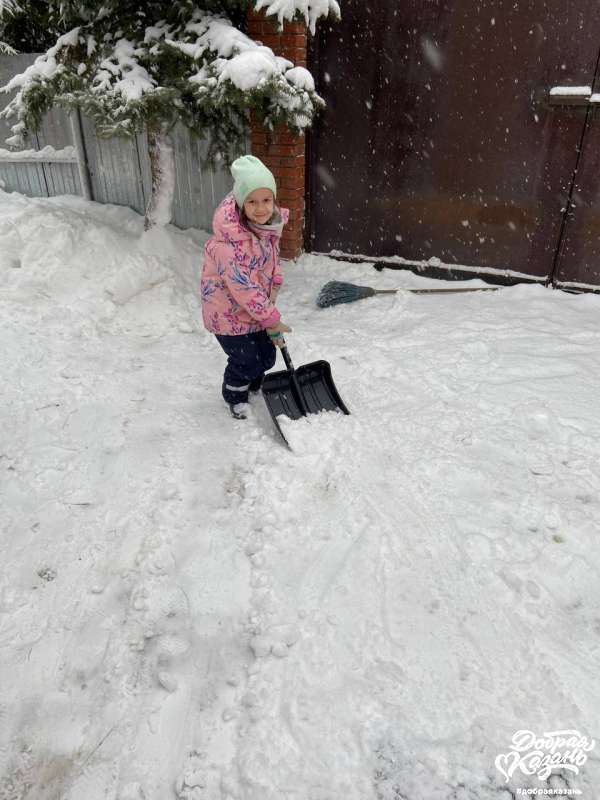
(190,610)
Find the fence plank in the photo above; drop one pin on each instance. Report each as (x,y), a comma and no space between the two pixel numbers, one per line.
(27,179)
(55,131)
(114,169)
(198,190)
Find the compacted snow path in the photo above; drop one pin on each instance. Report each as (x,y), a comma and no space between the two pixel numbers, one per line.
(190,610)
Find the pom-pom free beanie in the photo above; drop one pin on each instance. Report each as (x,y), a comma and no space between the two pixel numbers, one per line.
(249,173)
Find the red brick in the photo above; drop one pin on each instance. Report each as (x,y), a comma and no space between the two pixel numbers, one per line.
(291,236)
(280,150)
(256,28)
(295,27)
(291,245)
(288,171)
(285,183)
(272,41)
(293,204)
(292,53)
(296,54)
(293,194)
(286,139)
(293,39)
(291,250)
(259,136)
(276,163)
(296,217)
(296,212)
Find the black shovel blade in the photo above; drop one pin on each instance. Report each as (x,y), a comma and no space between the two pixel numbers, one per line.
(281,395)
(317,388)
(307,390)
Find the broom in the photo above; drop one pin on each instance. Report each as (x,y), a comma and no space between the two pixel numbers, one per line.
(336,292)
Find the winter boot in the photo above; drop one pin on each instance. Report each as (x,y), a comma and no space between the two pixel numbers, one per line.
(239,410)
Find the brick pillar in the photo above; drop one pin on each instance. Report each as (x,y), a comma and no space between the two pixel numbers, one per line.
(281,150)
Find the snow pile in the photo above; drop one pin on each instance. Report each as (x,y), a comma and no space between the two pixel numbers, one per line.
(190,610)
(47,154)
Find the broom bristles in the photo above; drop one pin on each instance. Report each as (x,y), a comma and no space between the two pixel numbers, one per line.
(336,292)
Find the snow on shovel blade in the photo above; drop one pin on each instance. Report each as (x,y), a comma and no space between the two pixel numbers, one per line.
(299,392)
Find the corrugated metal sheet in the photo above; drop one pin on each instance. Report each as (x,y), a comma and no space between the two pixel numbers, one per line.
(119,168)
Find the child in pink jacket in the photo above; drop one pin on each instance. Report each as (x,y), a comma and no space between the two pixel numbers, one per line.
(241,277)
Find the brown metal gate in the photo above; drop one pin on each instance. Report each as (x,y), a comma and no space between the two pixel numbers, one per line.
(440,144)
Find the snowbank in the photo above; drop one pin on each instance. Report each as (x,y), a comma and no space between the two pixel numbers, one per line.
(188,609)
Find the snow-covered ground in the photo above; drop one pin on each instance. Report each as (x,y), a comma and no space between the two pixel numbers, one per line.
(190,610)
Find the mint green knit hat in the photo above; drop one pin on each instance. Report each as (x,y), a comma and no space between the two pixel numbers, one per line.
(249,173)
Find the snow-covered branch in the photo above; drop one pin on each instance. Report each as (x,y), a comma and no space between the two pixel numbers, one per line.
(190,72)
(245,65)
(310,10)
(8,7)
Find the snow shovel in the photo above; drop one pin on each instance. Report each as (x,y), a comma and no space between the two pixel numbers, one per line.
(299,392)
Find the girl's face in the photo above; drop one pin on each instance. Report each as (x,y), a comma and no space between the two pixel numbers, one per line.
(259,206)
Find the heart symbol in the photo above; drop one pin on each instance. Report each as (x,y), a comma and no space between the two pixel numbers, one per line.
(506,763)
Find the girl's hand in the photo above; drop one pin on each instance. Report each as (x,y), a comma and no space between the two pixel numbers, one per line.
(276,333)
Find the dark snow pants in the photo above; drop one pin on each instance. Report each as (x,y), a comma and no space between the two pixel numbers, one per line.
(249,356)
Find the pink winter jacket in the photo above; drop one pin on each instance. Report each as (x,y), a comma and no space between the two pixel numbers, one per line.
(240,268)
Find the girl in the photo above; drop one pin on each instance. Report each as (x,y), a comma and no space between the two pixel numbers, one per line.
(241,277)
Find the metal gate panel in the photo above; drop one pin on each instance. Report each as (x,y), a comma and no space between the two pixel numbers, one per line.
(438,144)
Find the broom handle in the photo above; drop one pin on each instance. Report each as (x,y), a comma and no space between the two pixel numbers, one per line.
(439,291)
(448,291)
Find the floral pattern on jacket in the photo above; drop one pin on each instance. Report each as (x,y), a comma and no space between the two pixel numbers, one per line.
(240,269)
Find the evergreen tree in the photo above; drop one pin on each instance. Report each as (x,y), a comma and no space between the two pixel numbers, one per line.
(132,65)
(26,27)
